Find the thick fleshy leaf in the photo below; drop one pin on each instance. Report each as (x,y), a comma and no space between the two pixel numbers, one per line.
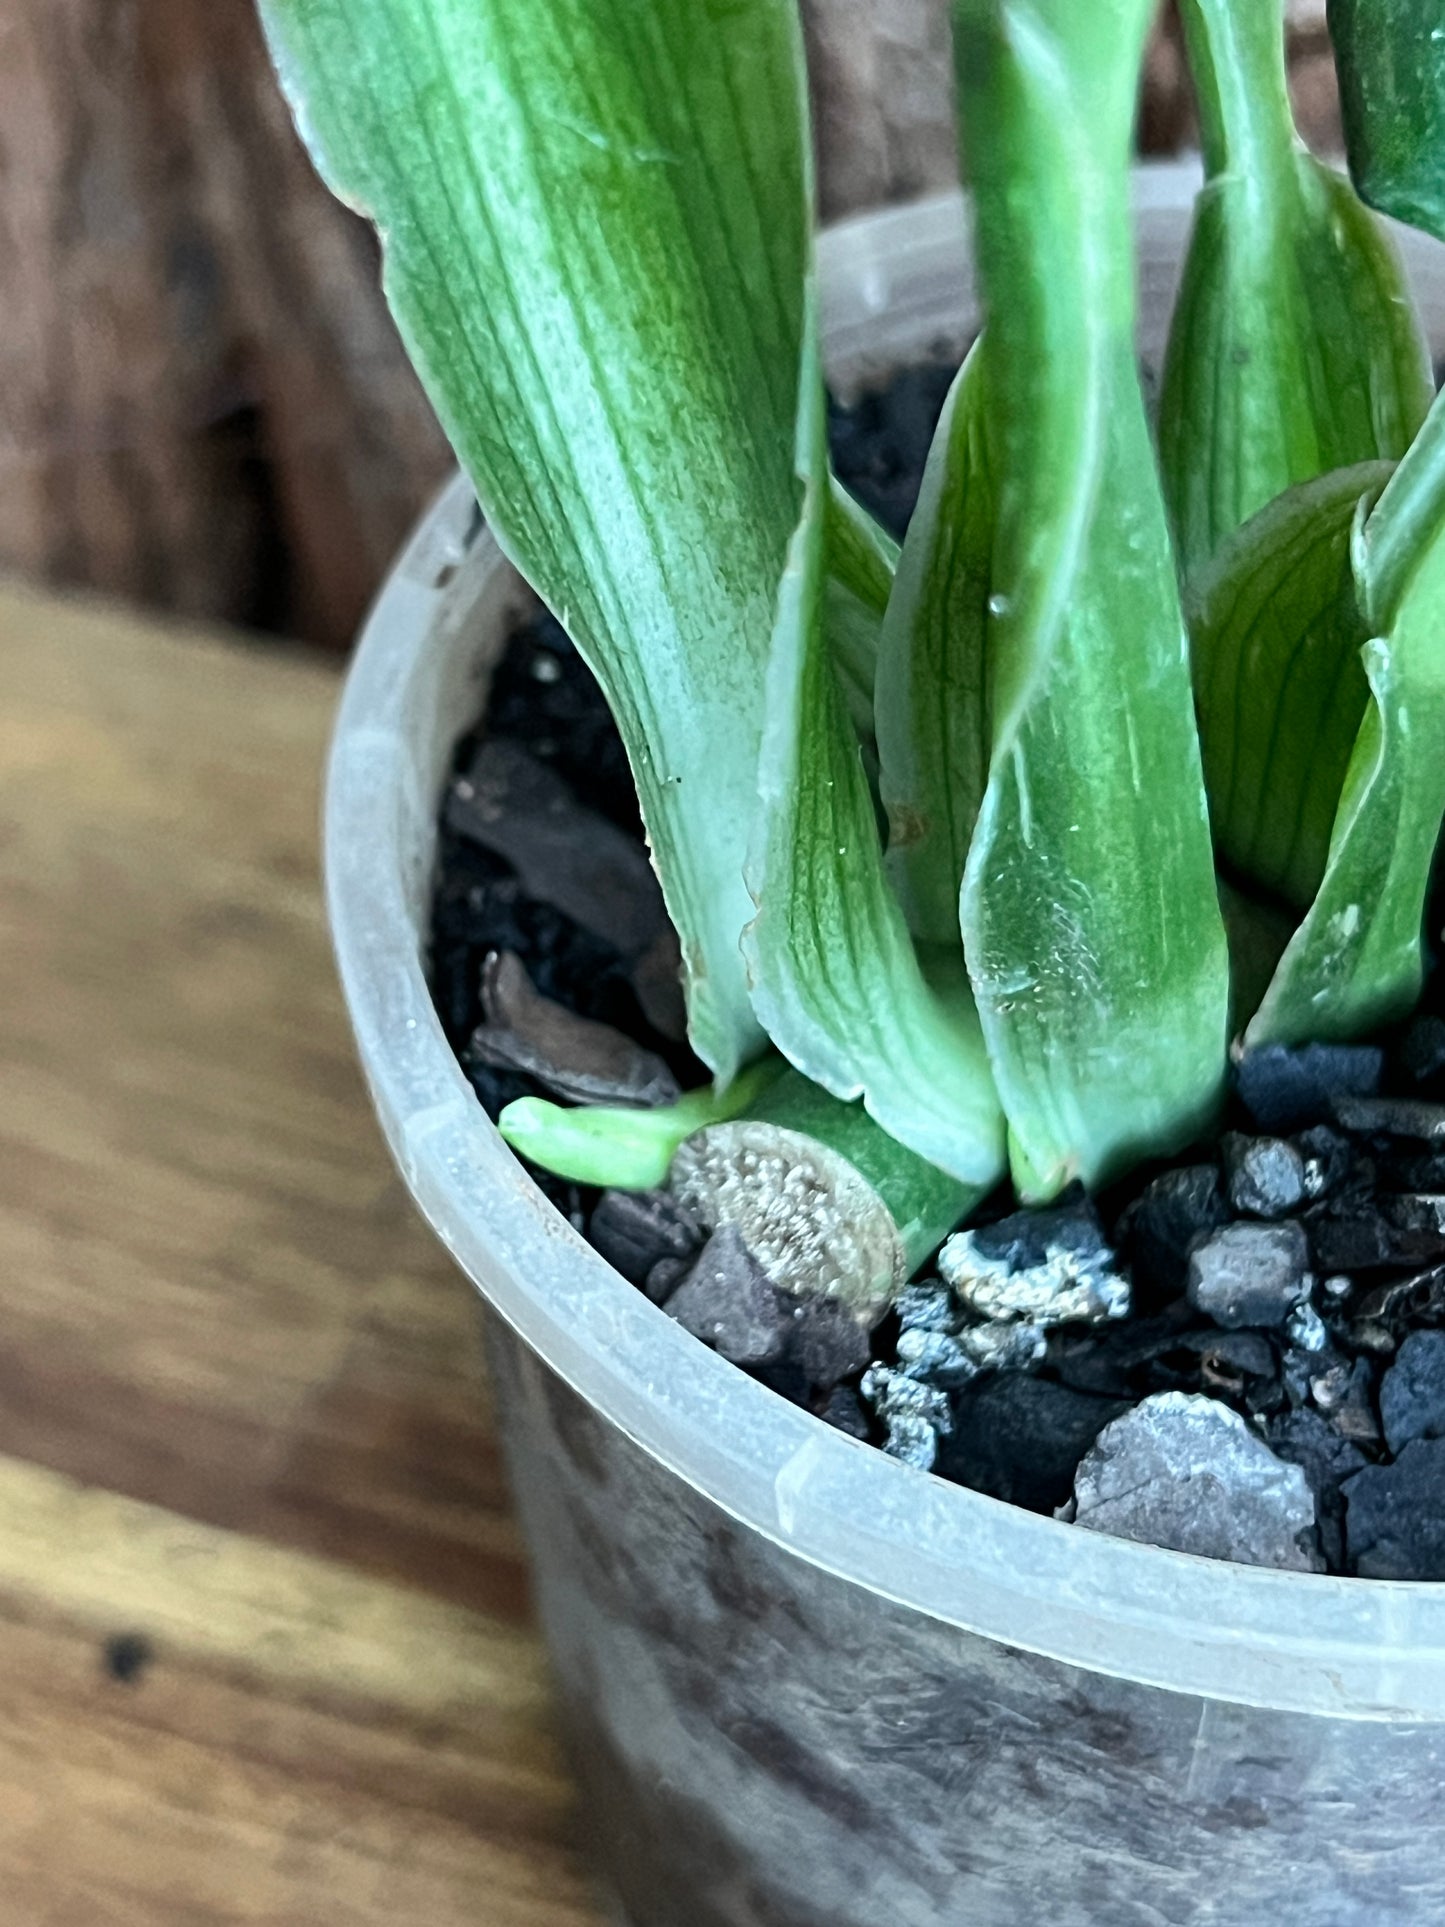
(1390,56)
(862,557)
(1279,680)
(836,981)
(1090,916)
(1294,347)
(931,698)
(1358,957)
(596,218)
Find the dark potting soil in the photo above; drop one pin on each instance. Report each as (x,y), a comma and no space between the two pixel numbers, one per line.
(1283,1286)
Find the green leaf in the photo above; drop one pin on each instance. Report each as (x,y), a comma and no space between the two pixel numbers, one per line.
(1294,349)
(861,560)
(1279,680)
(836,981)
(1090,916)
(1357,959)
(931,699)
(1390,57)
(596,216)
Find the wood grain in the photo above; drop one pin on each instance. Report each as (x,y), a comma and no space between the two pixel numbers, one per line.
(242,1412)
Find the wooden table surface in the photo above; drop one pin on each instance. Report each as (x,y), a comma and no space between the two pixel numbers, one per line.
(264,1647)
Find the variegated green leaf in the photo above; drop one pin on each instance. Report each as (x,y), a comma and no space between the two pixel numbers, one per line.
(931,698)
(862,557)
(1358,957)
(1090,917)
(836,981)
(596,219)
(1279,680)
(1390,56)
(1294,348)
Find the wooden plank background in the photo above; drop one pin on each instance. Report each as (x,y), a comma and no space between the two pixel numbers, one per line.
(264,1648)
(203,406)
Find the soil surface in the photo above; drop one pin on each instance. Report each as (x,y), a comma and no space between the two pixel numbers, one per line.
(1241,1353)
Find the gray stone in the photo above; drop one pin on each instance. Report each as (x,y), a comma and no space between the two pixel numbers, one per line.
(634,1230)
(1412,1393)
(914,1415)
(1285,1090)
(728,1302)
(1265,1175)
(1187,1473)
(828,1343)
(1041,1267)
(1395,1515)
(1249,1274)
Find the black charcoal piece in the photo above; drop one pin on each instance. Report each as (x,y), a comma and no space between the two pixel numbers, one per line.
(1413,1118)
(1189,1474)
(1384,1233)
(1344,1392)
(1170,1213)
(1405,1302)
(634,1230)
(1123,1360)
(1395,1515)
(1412,1392)
(1414,1171)
(564,854)
(1019,1438)
(845,1411)
(728,1302)
(1265,1175)
(1422,1053)
(575,1058)
(828,1342)
(1285,1090)
(1328,1159)
(1249,1274)
(1308,1440)
(1228,1358)
(1417,1223)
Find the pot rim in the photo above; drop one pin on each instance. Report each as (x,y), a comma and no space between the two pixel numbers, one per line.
(1305,1643)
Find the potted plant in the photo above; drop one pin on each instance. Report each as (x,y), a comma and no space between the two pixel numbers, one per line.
(969,837)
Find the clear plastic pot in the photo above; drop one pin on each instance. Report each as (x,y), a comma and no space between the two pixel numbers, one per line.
(806,1686)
